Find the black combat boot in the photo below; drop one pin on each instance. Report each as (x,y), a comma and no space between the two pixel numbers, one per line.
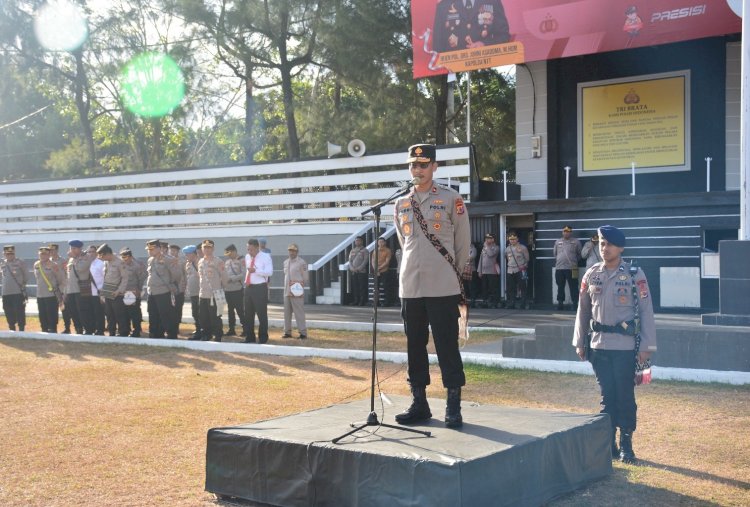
(626,446)
(615,450)
(453,417)
(418,411)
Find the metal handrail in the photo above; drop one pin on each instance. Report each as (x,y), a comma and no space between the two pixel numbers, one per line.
(340,247)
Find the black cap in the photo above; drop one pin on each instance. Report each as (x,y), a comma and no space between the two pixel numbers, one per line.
(421,153)
(104,249)
(230,248)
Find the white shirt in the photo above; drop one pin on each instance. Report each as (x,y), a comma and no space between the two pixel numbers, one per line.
(263,268)
(97,275)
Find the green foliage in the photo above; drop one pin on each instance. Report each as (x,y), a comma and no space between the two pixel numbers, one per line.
(68,161)
(493,118)
(344,64)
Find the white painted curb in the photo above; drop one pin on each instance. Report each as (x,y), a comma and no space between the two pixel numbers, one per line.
(577,367)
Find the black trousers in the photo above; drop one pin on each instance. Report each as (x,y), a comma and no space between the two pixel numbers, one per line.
(86,313)
(210,322)
(359,289)
(615,371)
(118,321)
(48,315)
(195,312)
(256,303)
(165,313)
(135,316)
(563,276)
(235,304)
(155,328)
(514,284)
(440,314)
(66,316)
(98,315)
(73,307)
(179,302)
(14,307)
(490,288)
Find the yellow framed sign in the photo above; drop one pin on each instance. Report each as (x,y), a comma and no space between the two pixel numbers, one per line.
(643,120)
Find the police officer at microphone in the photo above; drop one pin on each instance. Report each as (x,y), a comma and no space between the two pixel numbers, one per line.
(430,286)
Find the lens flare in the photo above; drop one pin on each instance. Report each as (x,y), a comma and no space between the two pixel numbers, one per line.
(60,25)
(152,85)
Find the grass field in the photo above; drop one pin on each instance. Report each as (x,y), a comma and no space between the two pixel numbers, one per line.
(86,424)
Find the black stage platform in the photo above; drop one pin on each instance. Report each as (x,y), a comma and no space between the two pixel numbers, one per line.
(501,456)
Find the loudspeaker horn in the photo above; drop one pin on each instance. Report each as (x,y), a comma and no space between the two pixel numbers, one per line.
(333,149)
(356,148)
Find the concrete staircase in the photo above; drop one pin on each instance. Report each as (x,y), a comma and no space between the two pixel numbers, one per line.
(331,295)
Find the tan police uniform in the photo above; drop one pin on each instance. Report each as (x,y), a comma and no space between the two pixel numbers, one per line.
(50,282)
(606,302)
(295,270)
(358,270)
(567,253)
(14,278)
(422,272)
(116,281)
(606,297)
(430,289)
(78,293)
(136,280)
(516,268)
(235,269)
(211,277)
(162,282)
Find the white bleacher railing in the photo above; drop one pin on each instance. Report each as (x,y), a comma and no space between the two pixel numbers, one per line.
(322,196)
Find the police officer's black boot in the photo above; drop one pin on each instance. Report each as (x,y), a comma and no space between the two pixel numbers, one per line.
(453,417)
(626,446)
(615,450)
(418,411)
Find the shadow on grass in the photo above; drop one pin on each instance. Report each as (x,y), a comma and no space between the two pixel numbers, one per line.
(616,489)
(696,474)
(172,358)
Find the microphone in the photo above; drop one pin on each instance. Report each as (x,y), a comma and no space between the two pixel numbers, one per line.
(409,184)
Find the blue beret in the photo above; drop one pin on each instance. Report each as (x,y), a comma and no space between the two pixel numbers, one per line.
(75,243)
(613,235)
(190,249)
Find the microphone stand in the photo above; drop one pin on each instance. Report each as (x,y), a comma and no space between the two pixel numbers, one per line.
(372,418)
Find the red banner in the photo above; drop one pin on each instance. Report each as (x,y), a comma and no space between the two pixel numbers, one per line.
(463,35)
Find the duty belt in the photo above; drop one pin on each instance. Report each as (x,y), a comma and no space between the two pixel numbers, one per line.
(627,328)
